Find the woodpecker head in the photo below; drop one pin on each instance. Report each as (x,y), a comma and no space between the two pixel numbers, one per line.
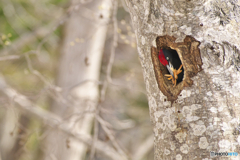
(162,58)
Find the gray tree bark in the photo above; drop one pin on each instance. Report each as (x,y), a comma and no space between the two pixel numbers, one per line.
(201,114)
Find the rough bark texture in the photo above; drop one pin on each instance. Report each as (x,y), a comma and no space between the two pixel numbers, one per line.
(205,116)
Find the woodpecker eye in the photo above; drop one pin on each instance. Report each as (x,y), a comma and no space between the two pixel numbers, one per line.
(167,58)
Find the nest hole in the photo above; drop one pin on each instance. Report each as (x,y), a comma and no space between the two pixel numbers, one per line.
(186,53)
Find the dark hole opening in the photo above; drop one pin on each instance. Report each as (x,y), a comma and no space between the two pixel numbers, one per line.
(172,57)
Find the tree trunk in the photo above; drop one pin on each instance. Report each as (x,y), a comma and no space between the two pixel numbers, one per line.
(201,113)
(79,70)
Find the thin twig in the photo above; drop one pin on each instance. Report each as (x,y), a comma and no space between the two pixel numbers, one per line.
(111,136)
(125,5)
(10,57)
(95,135)
(112,55)
(55,121)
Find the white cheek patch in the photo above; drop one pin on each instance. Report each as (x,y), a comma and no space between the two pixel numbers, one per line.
(170,69)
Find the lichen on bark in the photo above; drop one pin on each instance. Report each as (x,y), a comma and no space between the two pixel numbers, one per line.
(214,94)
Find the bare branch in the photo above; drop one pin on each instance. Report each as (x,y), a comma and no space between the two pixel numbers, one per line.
(55,121)
(10,57)
(110,135)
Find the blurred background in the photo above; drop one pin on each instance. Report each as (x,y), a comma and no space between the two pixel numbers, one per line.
(71,83)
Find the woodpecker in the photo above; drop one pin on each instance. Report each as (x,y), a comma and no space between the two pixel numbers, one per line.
(169,58)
